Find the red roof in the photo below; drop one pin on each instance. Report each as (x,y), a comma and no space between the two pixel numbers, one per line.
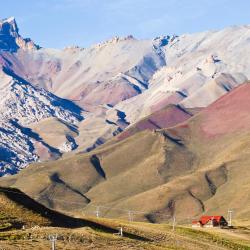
(195,221)
(206,218)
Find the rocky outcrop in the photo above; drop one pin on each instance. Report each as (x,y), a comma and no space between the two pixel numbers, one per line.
(22,104)
(10,40)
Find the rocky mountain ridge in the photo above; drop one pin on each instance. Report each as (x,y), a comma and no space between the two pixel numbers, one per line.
(112,85)
(22,104)
(10,40)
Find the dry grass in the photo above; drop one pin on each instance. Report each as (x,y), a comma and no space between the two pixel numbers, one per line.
(98,233)
(145,236)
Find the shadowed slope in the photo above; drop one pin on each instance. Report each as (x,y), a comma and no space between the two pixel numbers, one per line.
(18,209)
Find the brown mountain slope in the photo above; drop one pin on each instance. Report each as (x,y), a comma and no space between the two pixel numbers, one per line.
(199,166)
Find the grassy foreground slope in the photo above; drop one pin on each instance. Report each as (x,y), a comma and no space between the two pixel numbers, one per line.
(18,210)
(201,165)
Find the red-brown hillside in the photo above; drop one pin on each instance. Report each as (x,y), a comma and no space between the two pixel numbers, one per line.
(164,118)
(230,113)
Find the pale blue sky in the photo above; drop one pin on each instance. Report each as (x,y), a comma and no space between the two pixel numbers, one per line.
(58,23)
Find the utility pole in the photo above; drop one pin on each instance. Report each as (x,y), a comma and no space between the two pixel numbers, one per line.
(52,239)
(97,212)
(174,220)
(121,232)
(230,217)
(130,216)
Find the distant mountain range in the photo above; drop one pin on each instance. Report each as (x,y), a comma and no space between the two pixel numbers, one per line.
(149,125)
(56,103)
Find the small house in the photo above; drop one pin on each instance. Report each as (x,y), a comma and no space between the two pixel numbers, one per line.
(210,221)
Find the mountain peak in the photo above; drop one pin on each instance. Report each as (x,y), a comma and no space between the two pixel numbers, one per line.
(162,41)
(10,20)
(8,26)
(115,40)
(10,40)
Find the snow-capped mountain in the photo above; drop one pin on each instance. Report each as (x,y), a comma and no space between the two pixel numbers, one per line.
(112,85)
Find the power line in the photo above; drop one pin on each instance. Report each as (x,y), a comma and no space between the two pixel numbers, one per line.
(98,208)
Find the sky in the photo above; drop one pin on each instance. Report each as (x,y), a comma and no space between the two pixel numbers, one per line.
(60,23)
